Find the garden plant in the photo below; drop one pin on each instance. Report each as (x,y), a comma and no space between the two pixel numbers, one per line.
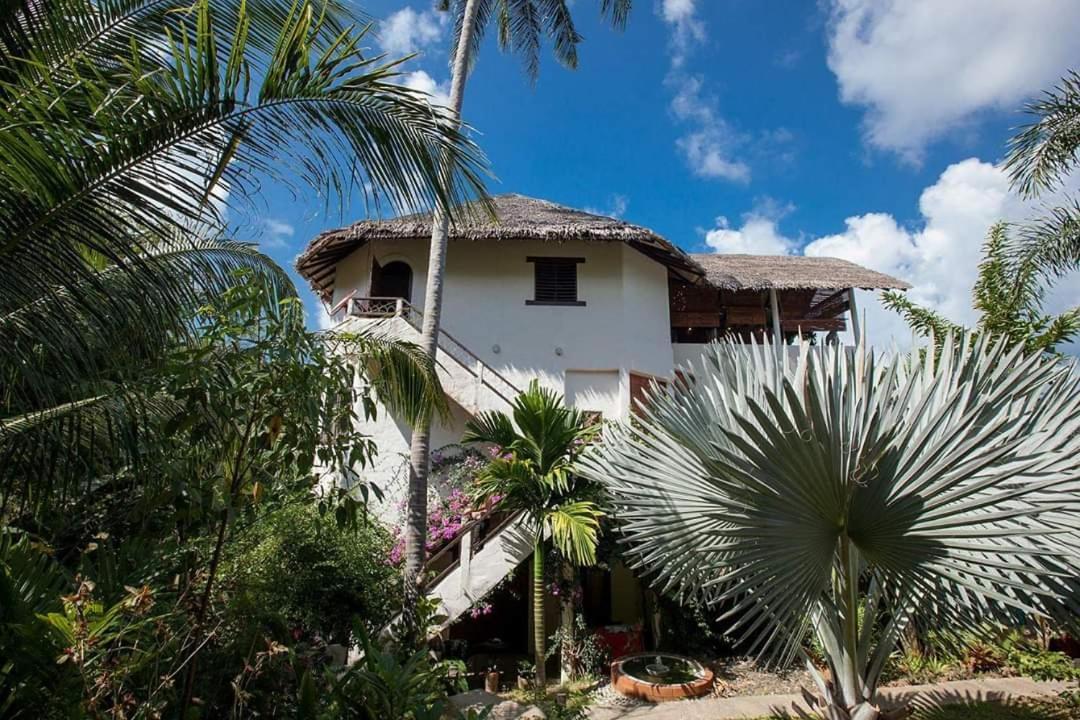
(841,494)
(536,446)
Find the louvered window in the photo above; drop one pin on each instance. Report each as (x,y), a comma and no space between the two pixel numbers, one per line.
(555,281)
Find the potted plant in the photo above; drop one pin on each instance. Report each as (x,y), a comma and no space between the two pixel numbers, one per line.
(491,679)
(526,675)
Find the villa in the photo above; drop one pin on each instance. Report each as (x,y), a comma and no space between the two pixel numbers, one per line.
(592,306)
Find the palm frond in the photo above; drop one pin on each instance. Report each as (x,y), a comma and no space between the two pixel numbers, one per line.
(574,528)
(401,374)
(101,323)
(1053,240)
(922,320)
(522,25)
(491,427)
(1045,151)
(946,471)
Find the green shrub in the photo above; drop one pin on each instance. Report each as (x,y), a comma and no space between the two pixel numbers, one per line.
(299,569)
(1027,657)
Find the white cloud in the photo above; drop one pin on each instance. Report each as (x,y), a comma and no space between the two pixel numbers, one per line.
(408,31)
(923,68)
(276,233)
(438,92)
(707,152)
(711,147)
(617,205)
(323,318)
(758,235)
(687,29)
(939,256)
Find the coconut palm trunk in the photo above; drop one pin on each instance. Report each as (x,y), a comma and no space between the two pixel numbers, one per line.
(420,446)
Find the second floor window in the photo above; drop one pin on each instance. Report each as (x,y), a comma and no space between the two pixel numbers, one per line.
(555,281)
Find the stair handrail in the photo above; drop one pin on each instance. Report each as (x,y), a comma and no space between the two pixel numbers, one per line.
(474,547)
(400,307)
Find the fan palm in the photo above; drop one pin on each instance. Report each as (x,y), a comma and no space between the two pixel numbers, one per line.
(128,131)
(521,25)
(841,494)
(537,445)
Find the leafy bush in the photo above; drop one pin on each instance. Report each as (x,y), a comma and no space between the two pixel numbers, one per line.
(1027,657)
(299,568)
(584,651)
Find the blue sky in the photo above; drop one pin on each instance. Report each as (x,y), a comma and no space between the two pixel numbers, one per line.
(863,129)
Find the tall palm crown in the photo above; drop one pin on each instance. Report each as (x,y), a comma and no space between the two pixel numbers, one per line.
(537,447)
(129,130)
(521,26)
(841,494)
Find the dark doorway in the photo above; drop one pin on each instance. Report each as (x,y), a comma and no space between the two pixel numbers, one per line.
(394,279)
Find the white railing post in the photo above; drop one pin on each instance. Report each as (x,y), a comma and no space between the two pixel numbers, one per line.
(465,561)
(399,307)
(479,383)
(350,307)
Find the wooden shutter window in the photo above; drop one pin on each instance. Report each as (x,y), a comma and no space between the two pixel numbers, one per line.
(555,281)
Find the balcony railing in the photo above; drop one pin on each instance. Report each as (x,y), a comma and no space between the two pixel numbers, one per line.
(391,307)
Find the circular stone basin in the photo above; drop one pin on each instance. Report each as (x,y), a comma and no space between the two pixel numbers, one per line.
(657,677)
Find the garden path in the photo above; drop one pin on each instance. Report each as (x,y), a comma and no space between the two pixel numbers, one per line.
(1003,690)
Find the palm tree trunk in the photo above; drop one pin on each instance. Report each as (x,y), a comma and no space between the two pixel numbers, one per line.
(566,665)
(538,611)
(420,446)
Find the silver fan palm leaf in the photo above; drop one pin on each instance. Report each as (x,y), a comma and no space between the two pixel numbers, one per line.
(839,493)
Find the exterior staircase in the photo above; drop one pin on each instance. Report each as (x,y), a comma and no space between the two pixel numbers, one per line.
(493,543)
(471,383)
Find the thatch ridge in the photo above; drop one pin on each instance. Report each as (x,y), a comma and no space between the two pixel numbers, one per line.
(790,272)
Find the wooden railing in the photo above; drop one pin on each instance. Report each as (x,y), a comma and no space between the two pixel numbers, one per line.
(470,540)
(387,307)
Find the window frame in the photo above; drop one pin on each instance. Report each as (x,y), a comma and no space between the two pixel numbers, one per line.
(537,261)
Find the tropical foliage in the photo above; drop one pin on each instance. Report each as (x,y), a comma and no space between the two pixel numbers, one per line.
(1008,296)
(130,131)
(256,420)
(841,495)
(536,446)
(1040,158)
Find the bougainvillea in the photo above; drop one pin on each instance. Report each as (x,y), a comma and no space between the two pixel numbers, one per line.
(452,471)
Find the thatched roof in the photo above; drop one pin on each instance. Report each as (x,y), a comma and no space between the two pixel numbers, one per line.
(525,218)
(518,218)
(790,272)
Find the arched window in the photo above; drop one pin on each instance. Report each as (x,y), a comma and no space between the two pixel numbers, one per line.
(394,279)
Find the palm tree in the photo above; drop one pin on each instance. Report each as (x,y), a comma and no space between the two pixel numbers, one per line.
(1008,296)
(843,494)
(532,475)
(1040,157)
(128,132)
(521,26)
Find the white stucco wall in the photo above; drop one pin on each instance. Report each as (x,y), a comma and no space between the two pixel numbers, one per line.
(586,353)
(595,390)
(623,326)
